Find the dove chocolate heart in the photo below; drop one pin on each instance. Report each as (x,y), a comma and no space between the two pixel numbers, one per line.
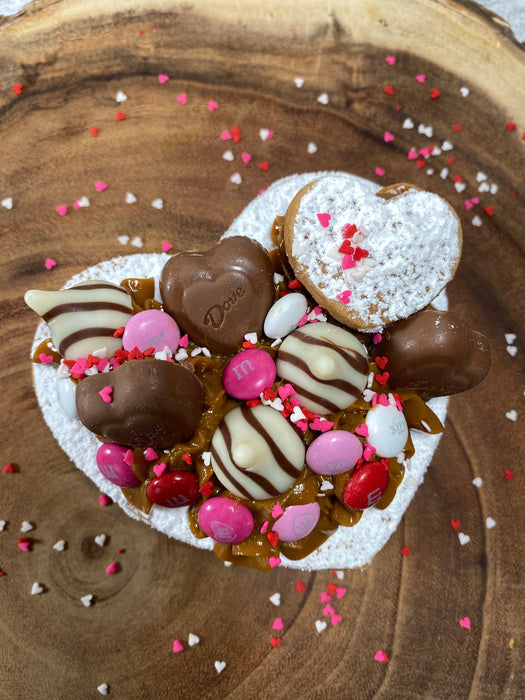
(220,295)
(435,354)
(151,403)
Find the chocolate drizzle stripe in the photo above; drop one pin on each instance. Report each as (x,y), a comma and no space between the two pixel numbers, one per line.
(279,456)
(85,306)
(341,384)
(222,467)
(353,357)
(97,285)
(263,483)
(319,400)
(73,338)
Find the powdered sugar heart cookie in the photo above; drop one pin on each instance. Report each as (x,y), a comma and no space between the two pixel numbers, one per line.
(371,259)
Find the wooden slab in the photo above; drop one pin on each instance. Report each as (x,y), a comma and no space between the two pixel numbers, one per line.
(71,59)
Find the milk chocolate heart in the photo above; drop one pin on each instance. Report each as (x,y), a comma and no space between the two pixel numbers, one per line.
(220,295)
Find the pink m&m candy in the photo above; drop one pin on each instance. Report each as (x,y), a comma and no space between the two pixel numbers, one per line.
(174,489)
(366,485)
(297,521)
(334,452)
(248,373)
(151,329)
(110,461)
(225,520)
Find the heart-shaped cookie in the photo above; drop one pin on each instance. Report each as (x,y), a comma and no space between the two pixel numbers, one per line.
(220,295)
(371,259)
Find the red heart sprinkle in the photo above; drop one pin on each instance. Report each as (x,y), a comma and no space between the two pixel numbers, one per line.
(275,641)
(434,94)
(94,131)
(269,394)
(451,160)
(295,284)
(120,117)
(508,474)
(332,588)
(346,247)
(455,524)
(263,165)
(236,134)
(382,378)
(206,489)
(248,345)
(253,402)
(273,538)
(135,354)
(186,457)
(489,211)
(300,586)
(405,551)
(456,127)
(9,468)
(389,90)
(381,361)
(421,163)
(349,230)
(510,125)
(17,89)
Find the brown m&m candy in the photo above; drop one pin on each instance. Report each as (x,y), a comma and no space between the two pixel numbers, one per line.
(434,353)
(142,403)
(220,295)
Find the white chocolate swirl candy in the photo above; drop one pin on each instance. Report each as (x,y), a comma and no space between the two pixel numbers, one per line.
(83,318)
(255,453)
(326,365)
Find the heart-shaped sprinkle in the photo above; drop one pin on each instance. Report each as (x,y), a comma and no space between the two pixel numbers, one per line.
(212,105)
(465,622)
(277,510)
(106,394)
(103,688)
(120,117)
(311,148)
(344,296)
(182,98)
(59,546)
(265,134)
(325,597)
(26,526)
(512,415)
(7,203)
(157,203)
(100,186)
(104,500)
(478,482)
(421,78)
(368,451)
(61,209)
(336,619)
(447,146)
(236,178)
(86,600)
(37,588)
(408,123)
(299,82)
(94,131)
(320,626)
(111,569)
(24,543)
(177,646)
(456,524)
(193,639)
(323,98)
(159,469)
(388,137)
(275,599)
(381,656)
(274,561)
(225,135)
(3,523)
(275,641)
(434,94)
(137,242)
(463,539)
(277,624)
(380,171)
(464,91)
(228,155)
(81,203)
(246,157)
(362,430)
(163,78)
(123,239)
(324,219)
(273,538)
(100,540)
(263,165)
(490,523)
(45,359)
(121,96)
(390,60)
(130,198)
(150,455)
(220,666)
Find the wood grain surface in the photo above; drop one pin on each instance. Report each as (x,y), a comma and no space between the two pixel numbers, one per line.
(71,59)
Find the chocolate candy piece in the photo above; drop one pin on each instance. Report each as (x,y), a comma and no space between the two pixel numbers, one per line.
(110,461)
(297,522)
(225,520)
(255,453)
(248,373)
(83,318)
(387,430)
(152,403)
(366,485)
(326,365)
(434,353)
(174,489)
(334,452)
(220,295)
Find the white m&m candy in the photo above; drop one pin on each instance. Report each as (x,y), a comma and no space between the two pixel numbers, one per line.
(284,315)
(387,430)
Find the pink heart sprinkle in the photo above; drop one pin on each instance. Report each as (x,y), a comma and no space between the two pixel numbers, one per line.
(49,263)
(182,98)
(61,209)
(264,527)
(277,510)
(336,619)
(344,296)
(225,136)
(381,656)
(277,624)
(302,425)
(177,646)
(389,136)
(212,105)
(368,452)
(274,561)
(380,171)
(468,204)
(128,458)
(382,399)
(325,597)
(294,401)
(77,204)
(183,342)
(324,219)
(111,569)
(377,338)
(348,262)
(24,545)
(412,154)
(246,157)
(105,394)
(150,454)
(328,610)
(465,622)
(45,359)
(362,430)
(421,78)
(475,200)
(104,500)
(101,364)
(166,245)
(100,186)
(159,469)
(163,78)
(340,592)
(390,60)
(285,391)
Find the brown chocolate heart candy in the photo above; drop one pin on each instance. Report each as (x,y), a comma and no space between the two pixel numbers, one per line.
(220,295)
(153,403)
(434,353)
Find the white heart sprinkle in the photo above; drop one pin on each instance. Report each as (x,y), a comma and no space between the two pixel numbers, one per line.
(323,98)
(86,600)
(447,146)
(484,187)
(236,179)
(206,458)
(320,625)
(460,186)
(100,540)
(275,599)
(480,176)
(137,242)
(326,486)
(277,278)
(83,202)
(493,188)
(181,355)
(368,395)
(512,350)
(36,589)
(193,639)
(264,134)
(478,482)
(59,546)
(512,415)
(103,688)
(121,96)
(3,523)
(311,148)
(444,173)
(426,130)
(228,563)
(251,337)
(465,92)
(430,171)
(220,666)
(436,151)
(277,404)
(7,203)
(297,415)
(510,338)
(340,575)
(157,203)
(299,82)
(476,221)
(408,123)
(490,523)
(463,539)
(228,155)
(123,239)
(26,526)
(130,198)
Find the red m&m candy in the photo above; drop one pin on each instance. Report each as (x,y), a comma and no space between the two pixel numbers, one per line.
(174,489)
(367,485)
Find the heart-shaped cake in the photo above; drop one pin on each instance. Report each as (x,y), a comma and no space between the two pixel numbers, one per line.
(279,439)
